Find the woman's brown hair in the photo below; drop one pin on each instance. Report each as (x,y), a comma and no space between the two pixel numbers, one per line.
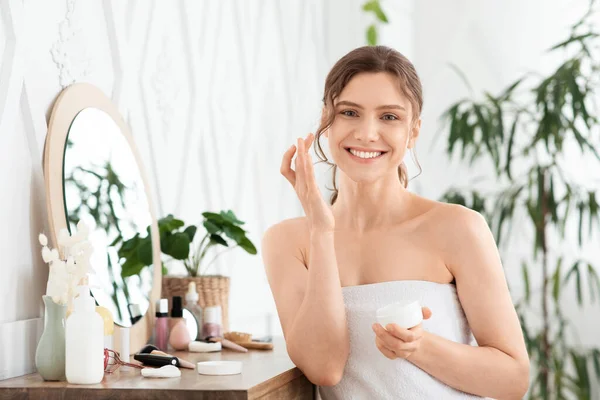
(370,59)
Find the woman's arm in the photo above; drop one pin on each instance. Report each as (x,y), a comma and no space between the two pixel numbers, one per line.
(499,367)
(308,293)
(309,302)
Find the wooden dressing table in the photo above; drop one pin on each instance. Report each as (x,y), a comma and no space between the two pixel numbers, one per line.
(265,375)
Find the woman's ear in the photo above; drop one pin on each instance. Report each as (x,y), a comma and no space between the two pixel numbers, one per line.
(414,134)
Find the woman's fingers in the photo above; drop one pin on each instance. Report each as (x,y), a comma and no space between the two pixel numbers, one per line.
(406,335)
(387,337)
(309,141)
(384,350)
(397,347)
(300,170)
(286,165)
(299,175)
(426,312)
(311,180)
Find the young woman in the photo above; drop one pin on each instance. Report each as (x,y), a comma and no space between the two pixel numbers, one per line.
(377,243)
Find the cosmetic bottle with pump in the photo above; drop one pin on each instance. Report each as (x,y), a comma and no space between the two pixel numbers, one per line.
(84,341)
(179,337)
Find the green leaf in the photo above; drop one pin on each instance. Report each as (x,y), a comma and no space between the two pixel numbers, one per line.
(573,39)
(592,209)
(556,280)
(565,218)
(131,267)
(129,244)
(582,382)
(229,216)
(169,223)
(578,283)
(487,134)
(575,271)
(372,35)
(216,239)
(165,241)
(511,138)
(145,252)
(179,246)
(191,232)
(247,245)
(211,227)
(234,232)
(116,241)
(596,359)
(581,208)
(375,7)
(509,90)
(525,273)
(217,218)
(593,281)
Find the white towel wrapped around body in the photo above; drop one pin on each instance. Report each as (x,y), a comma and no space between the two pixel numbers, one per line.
(368,373)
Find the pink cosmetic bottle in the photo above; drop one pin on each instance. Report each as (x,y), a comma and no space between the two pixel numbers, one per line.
(161,327)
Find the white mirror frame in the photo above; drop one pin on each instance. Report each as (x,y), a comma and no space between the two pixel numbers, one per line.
(69,103)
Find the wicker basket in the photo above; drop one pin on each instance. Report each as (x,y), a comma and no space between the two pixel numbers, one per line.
(213,290)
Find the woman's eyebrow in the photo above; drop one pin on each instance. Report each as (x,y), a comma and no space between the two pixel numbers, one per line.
(387,106)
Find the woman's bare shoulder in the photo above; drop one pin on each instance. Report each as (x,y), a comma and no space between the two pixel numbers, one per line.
(456,224)
(286,234)
(446,213)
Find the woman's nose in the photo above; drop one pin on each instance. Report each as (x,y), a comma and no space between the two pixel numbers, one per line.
(367,131)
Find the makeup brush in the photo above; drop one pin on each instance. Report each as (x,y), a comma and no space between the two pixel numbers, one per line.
(226,343)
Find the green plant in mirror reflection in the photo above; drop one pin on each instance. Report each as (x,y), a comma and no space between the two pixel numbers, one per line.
(101,201)
(177,243)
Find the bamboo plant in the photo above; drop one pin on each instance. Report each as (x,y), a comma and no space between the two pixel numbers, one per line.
(525,133)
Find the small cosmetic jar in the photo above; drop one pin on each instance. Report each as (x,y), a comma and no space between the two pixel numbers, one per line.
(406,314)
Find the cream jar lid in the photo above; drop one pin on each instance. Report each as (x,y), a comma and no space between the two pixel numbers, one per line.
(404,314)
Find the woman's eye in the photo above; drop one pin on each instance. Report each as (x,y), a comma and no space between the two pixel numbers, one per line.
(349,113)
(389,117)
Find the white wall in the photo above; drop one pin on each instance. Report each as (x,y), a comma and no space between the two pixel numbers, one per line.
(214,92)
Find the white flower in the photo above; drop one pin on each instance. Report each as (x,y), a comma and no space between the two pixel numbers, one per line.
(46,254)
(58,283)
(82,230)
(71,265)
(65,275)
(54,256)
(64,239)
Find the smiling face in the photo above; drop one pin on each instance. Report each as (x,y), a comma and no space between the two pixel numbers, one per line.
(373,127)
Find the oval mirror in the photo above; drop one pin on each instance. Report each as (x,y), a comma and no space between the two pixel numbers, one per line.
(94,173)
(103,186)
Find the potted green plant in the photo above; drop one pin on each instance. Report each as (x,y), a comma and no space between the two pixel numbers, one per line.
(181,244)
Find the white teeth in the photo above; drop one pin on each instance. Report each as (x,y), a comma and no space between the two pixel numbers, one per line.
(365,154)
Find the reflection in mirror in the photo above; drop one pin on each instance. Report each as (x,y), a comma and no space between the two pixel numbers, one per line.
(104,187)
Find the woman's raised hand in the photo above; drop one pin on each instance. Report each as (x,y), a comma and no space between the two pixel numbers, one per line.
(302,178)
